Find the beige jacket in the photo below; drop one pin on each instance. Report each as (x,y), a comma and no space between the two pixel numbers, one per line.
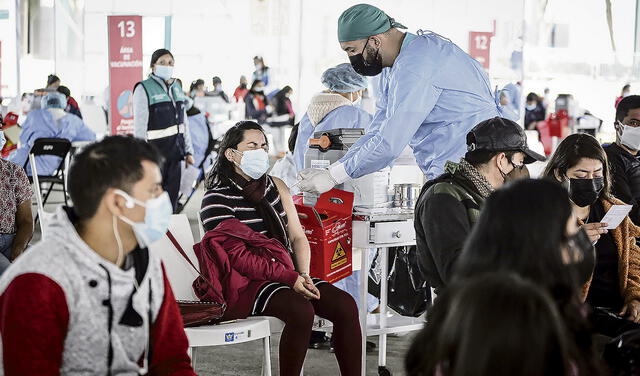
(624,237)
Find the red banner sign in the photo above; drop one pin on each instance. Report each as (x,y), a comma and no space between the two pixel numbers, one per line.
(125,70)
(480,47)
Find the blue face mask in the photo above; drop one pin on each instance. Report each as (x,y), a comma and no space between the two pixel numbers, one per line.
(254,163)
(157,217)
(164,71)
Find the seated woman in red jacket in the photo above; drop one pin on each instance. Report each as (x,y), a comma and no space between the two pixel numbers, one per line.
(238,187)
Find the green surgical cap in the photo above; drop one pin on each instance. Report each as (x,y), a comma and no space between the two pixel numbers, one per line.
(362,21)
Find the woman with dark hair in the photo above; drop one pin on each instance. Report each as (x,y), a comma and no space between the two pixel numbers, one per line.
(282,118)
(580,164)
(283,104)
(543,251)
(217,90)
(534,111)
(241,90)
(256,103)
(262,72)
(53,82)
(492,325)
(72,104)
(238,188)
(196,89)
(160,117)
(528,228)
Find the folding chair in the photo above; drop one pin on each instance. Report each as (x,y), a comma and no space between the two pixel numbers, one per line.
(57,147)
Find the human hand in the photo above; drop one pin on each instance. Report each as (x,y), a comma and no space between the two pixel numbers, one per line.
(315,180)
(632,311)
(301,289)
(309,285)
(595,230)
(189,159)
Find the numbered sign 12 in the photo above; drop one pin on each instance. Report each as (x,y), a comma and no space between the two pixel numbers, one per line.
(125,70)
(480,47)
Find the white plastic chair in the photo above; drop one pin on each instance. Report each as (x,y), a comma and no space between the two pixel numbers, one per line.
(275,325)
(181,276)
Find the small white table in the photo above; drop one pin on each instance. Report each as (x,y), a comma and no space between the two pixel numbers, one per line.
(381,231)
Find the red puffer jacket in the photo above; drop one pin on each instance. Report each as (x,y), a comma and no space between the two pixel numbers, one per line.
(238,260)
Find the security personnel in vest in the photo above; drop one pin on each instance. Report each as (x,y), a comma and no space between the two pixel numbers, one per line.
(159,116)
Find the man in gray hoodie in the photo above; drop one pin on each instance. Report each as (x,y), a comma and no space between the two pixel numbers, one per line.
(90,298)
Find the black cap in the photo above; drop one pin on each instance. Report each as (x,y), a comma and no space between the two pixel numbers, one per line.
(500,134)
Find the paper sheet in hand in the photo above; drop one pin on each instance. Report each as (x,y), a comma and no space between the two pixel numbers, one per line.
(189,176)
(616,215)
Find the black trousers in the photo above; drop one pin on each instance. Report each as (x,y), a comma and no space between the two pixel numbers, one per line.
(171,174)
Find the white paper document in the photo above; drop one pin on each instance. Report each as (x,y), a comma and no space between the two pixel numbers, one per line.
(189,176)
(616,215)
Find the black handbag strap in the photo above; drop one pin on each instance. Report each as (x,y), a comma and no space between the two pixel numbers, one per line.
(183,253)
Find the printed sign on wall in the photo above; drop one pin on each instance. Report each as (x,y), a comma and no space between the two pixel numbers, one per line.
(125,70)
(480,47)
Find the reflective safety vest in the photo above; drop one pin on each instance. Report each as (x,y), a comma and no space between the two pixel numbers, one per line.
(166,128)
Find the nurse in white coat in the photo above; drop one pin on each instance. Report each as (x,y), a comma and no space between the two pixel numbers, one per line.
(334,108)
(431,94)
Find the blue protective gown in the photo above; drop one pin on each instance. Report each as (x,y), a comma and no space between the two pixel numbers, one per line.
(515,95)
(431,97)
(341,117)
(41,124)
(511,110)
(198,125)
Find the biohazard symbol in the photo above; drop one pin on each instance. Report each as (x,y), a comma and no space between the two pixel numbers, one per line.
(338,253)
(339,257)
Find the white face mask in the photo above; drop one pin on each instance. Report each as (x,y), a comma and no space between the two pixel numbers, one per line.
(164,71)
(254,163)
(157,218)
(629,136)
(531,107)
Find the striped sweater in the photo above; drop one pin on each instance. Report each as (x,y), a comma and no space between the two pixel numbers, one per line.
(225,201)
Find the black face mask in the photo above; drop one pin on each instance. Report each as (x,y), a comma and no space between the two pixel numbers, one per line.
(518,172)
(363,67)
(584,192)
(583,257)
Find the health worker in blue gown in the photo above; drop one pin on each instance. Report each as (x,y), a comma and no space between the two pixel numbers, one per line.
(431,94)
(50,121)
(336,107)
